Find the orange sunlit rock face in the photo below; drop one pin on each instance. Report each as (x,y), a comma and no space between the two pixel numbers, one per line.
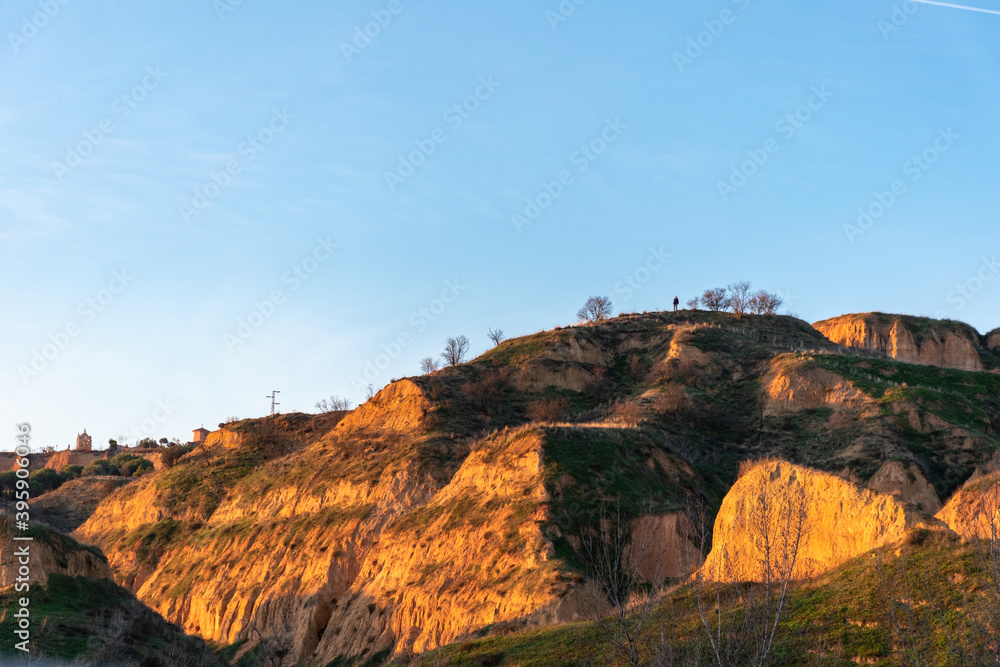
(908,339)
(795,384)
(839,521)
(974,510)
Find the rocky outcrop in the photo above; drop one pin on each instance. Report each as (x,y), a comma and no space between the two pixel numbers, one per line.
(666,545)
(974,510)
(562,363)
(819,518)
(49,553)
(682,349)
(907,483)
(992,340)
(793,383)
(474,555)
(57,460)
(540,375)
(401,406)
(912,340)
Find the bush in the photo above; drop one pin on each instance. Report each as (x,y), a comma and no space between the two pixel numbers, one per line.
(174,453)
(673,401)
(44,480)
(677,370)
(71,471)
(488,391)
(599,387)
(635,367)
(8,482)
(627,411)
(130,465)
(548,410)
(100,467)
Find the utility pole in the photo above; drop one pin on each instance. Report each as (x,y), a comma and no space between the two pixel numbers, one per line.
(274,403)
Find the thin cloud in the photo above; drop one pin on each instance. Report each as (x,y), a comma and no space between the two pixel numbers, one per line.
(946,4)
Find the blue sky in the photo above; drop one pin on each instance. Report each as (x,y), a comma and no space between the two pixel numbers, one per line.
(643,110)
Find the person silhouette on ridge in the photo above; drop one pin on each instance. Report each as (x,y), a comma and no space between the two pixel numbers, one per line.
(676,303)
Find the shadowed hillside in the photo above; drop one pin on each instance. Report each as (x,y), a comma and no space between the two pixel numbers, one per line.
(79,615)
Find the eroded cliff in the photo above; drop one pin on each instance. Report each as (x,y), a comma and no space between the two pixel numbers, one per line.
(49,553)
(913,340)
(779,517)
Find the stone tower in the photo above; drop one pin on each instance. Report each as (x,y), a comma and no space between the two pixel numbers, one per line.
(84,442)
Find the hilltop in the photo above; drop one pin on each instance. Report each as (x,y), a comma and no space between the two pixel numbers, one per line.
(457,502)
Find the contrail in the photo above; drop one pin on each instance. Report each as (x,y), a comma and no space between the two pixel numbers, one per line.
(945,4)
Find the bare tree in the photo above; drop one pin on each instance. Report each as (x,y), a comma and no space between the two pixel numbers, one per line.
(694,303)
(715,299)
(455,351)
(741,619)
(764,303)
(111,634)
(739,297)
(496,335)
(618,607)
(595,309)
(333,404)
(428,365)
(370,394)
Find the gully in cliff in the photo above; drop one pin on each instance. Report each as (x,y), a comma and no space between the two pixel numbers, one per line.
(22,553)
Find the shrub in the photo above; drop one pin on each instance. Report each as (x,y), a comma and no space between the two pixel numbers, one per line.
(171,456)
(136,467)
(635,366)
(488,390)
(548,410)
(627,411)
(8,485)
(677,370)
(672,400)
(44,480)
(71,471)
(100,467)
(599,386)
